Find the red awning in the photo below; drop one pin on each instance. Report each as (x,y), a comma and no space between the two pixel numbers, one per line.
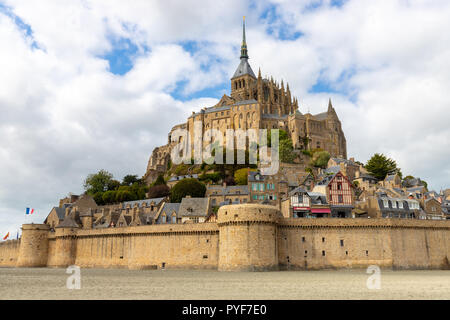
(301,208)
(321,210)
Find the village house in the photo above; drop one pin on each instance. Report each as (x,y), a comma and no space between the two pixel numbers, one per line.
(381,205)
(227,194)
(339,192)
(301,203)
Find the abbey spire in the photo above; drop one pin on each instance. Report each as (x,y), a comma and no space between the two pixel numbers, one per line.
(244,67)
(244,53)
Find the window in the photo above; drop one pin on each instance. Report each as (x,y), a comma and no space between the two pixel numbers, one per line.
(340,199)
(164,219)
(174,219)
(323,253)
(254,186)
(385,204)
(339,186)
(394,204)
(323,239)
(303,239)
(342,243)
(400,204)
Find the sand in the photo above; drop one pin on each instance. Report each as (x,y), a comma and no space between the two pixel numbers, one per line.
(46,283)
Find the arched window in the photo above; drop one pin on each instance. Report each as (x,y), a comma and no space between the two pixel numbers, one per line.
(243,83)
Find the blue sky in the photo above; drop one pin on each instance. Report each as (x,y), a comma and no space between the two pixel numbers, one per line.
(90,85)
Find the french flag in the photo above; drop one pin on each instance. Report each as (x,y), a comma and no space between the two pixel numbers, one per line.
(29,211)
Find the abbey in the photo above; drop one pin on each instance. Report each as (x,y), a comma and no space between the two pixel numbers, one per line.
(259,103)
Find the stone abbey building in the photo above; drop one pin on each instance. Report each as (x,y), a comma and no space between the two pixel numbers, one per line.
(259,103)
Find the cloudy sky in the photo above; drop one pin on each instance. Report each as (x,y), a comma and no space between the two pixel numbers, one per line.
(88,85)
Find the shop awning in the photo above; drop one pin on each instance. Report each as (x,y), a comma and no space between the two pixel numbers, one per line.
(320,210)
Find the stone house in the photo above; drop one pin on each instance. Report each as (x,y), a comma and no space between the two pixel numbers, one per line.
(267,189)
(169,213)
(381,205)
(194,210)
(432,208)
(223,193)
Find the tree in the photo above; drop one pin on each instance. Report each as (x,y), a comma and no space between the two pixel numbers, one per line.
(185,187)
(98,198)
(158,191)
(241,176)
(113,185)
(97,182)
(380,166)
(109,197)
(129,179)
(286,151)
(124,195)
(320,159)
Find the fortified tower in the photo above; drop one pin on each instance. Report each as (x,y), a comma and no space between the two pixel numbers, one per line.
(65,243)
(248,237)
(33,250)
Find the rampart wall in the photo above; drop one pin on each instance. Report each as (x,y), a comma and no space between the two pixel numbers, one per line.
(245,237)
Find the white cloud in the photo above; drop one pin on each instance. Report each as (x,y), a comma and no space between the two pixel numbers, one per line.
(64,115)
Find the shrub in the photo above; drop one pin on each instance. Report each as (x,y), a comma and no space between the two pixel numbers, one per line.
(185,187)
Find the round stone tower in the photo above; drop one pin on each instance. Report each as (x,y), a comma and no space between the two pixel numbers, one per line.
(33,250)
(248,237)
(65,246)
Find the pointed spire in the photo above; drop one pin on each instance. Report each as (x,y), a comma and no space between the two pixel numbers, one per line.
(259,73)
(244,53)
(330,106)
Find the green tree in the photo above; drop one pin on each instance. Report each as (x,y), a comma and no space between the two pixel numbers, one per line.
(129,179)
(98,198)
(320,159)
(379,166)
(286,151)
(124,195)
(185,187)
(241,176)
(97,182)
(113,185)
(109,197)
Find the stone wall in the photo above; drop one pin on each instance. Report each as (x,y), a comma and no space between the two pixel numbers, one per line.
(9,251)
(245,237)
(349,243)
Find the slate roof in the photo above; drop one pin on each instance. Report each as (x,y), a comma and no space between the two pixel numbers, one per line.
(195,207)
(68,222)
(342,160)
(141,202)
(170,207)
(321,116)
(296,191)
(229,190)
(253,174)
(317,198)
(243,68)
